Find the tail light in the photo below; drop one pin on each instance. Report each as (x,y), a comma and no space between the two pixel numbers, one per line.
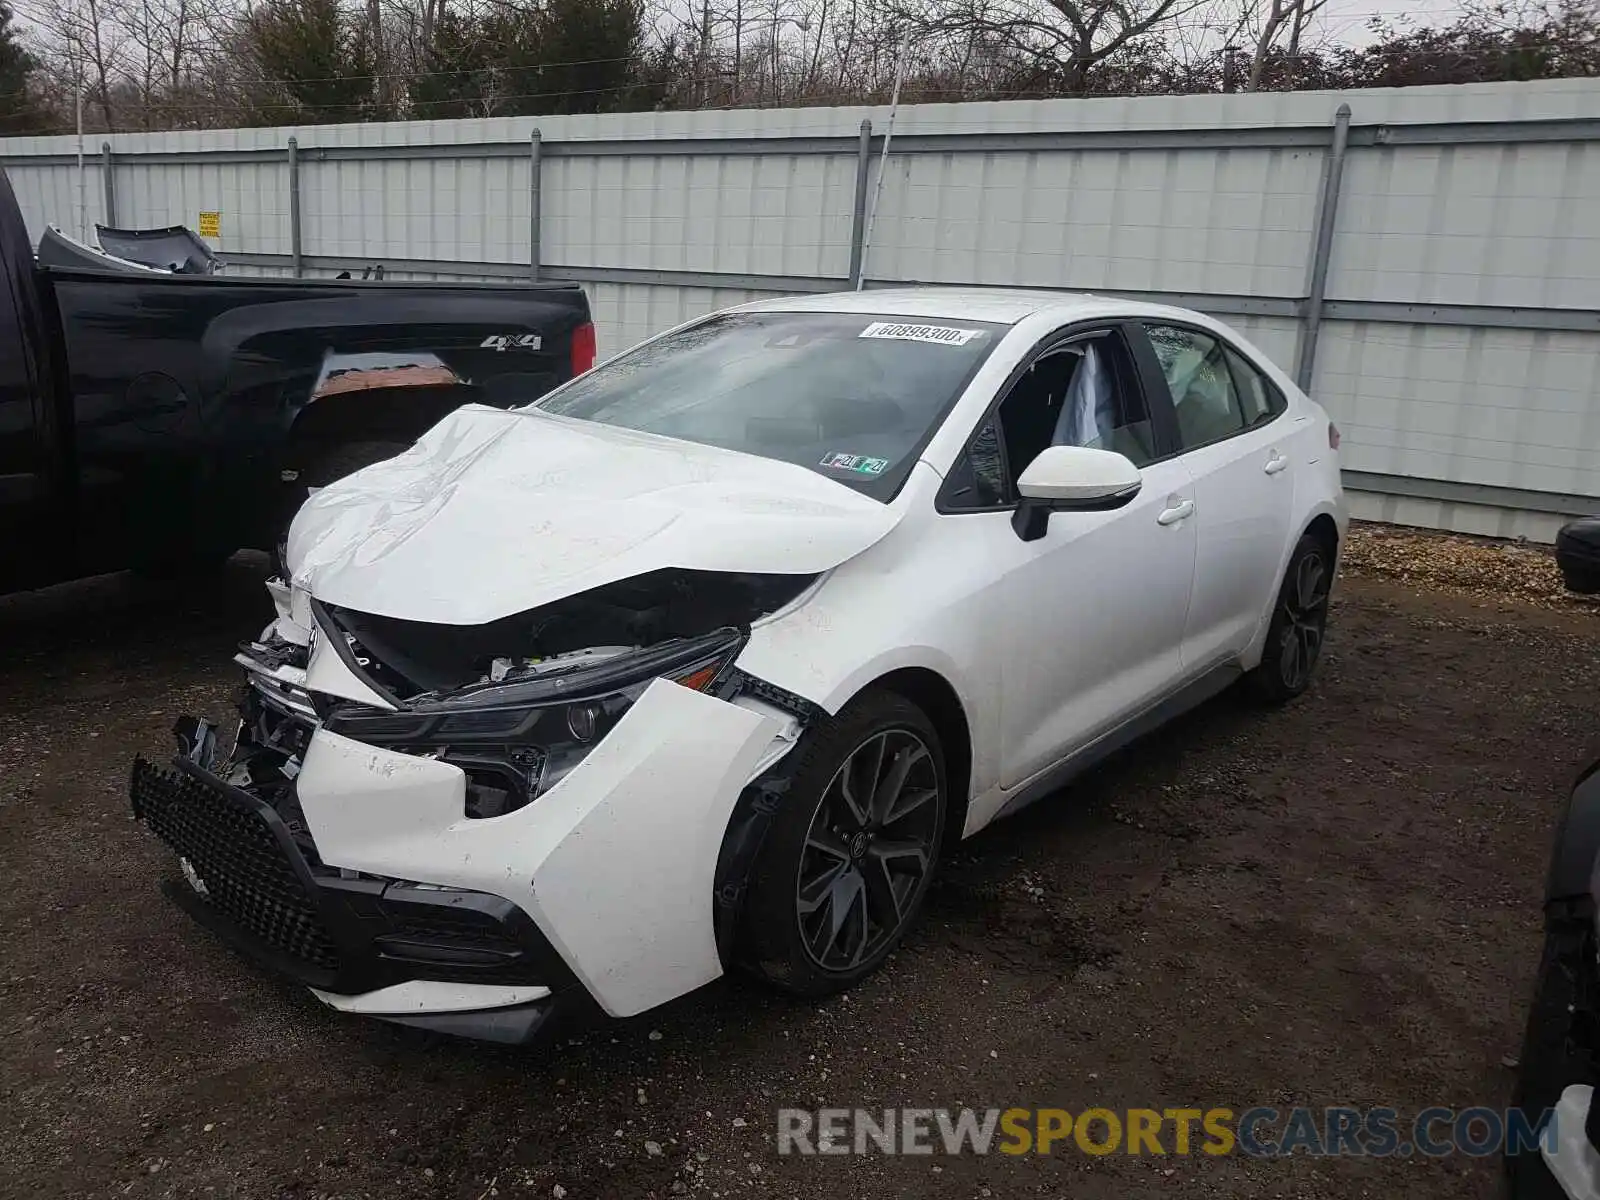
(1333,436)
(582,348)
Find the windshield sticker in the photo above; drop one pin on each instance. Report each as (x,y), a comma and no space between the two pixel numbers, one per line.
(858,463)
(939,335)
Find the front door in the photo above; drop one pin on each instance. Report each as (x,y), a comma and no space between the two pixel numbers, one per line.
(1095,618)
(1093,612)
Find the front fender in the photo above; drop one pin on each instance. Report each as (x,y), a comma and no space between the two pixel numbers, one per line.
(615,864)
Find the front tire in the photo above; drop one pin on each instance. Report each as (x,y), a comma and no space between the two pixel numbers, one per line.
(845,867)
(1299,623)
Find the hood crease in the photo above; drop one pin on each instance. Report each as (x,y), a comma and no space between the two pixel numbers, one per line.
(493,513)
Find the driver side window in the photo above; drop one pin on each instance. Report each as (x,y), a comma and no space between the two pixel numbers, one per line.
(1083,393)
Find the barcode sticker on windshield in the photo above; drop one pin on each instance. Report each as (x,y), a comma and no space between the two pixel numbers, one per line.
(939,335)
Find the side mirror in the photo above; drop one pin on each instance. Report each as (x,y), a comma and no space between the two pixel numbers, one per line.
(1074,479)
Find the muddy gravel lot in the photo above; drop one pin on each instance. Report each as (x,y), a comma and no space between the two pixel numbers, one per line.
(1336,903)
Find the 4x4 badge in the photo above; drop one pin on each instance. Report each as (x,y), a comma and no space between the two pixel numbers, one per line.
(512,341)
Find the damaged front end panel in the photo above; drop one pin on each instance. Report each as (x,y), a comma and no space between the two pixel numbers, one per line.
(516,703)
(519,702)
(514,706)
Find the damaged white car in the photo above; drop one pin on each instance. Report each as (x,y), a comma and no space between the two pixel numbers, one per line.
(703,659)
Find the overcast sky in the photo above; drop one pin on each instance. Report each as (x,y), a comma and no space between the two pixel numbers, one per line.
(1345,20)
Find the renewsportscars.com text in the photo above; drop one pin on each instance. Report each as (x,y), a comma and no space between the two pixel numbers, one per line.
(1260,1132)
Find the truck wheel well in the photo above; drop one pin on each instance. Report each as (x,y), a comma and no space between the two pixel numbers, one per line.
(379,415)
(932,693)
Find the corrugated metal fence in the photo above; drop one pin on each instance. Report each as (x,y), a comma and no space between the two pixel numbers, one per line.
(1428,258)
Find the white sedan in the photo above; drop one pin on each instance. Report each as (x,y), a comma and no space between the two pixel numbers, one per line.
(703,659)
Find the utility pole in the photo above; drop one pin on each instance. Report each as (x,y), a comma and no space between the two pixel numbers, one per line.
(83,204)
(379,59)
(702,84)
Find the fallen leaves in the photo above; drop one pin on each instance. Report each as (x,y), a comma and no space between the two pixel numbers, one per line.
(1475,566)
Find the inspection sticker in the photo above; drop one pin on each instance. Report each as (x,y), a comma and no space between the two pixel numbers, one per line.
(939,335)
(858,463)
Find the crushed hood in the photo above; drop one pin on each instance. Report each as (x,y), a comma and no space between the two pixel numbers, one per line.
(492,513)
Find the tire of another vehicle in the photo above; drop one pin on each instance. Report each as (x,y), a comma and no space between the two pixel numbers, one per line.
(1578,555)
(836,884)
(323,468)
(1548,1063)
(1299,622)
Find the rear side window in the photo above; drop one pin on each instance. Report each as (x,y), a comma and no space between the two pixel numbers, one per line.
(1260,400)
(1204,395)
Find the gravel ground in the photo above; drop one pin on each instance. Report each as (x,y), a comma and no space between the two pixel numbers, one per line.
(1336,903)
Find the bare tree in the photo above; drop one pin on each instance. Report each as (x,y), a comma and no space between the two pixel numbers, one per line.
(85,50)
(165,41)
(1063,41)
(1280,15)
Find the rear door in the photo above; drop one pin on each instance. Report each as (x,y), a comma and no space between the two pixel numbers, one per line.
(1234,441)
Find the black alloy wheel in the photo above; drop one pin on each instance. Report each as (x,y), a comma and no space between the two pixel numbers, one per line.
(869,850)
(846,864)
(1299,624)
(1305,608)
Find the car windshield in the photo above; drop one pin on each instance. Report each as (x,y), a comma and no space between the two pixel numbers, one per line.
(852,396)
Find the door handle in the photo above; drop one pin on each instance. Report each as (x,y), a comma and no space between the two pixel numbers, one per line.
(1171,516)
(1276,463)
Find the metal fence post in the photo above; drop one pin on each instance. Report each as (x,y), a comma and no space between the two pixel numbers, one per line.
(858,225)
(535,147)
(109,183)
(295,257)
(1322,250)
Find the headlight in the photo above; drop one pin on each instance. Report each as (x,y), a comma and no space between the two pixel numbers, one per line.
(518,738)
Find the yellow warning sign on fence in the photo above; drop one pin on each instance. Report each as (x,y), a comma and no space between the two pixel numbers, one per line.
(211,224)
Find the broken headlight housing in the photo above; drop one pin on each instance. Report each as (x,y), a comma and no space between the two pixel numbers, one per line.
(516,737)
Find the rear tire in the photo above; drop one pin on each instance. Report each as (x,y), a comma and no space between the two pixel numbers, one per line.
(1299,622)
(845,867)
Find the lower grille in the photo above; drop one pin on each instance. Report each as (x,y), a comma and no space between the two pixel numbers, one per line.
(244,868)
(436,933)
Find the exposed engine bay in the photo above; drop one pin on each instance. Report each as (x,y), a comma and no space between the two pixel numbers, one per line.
(515,703)
(414,657)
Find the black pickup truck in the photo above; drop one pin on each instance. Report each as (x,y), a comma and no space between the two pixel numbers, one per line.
(162,421)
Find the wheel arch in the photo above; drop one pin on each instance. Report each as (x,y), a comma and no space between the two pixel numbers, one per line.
(370,415)
(747,827)
(1325,530)
(936,697)
(1327,524)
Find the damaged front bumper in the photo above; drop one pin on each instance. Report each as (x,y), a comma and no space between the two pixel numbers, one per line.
(358,870)
(363,943)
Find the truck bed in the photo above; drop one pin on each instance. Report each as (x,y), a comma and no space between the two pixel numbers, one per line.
(171,419)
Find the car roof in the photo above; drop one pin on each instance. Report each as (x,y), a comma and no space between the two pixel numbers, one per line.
(1003,306)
